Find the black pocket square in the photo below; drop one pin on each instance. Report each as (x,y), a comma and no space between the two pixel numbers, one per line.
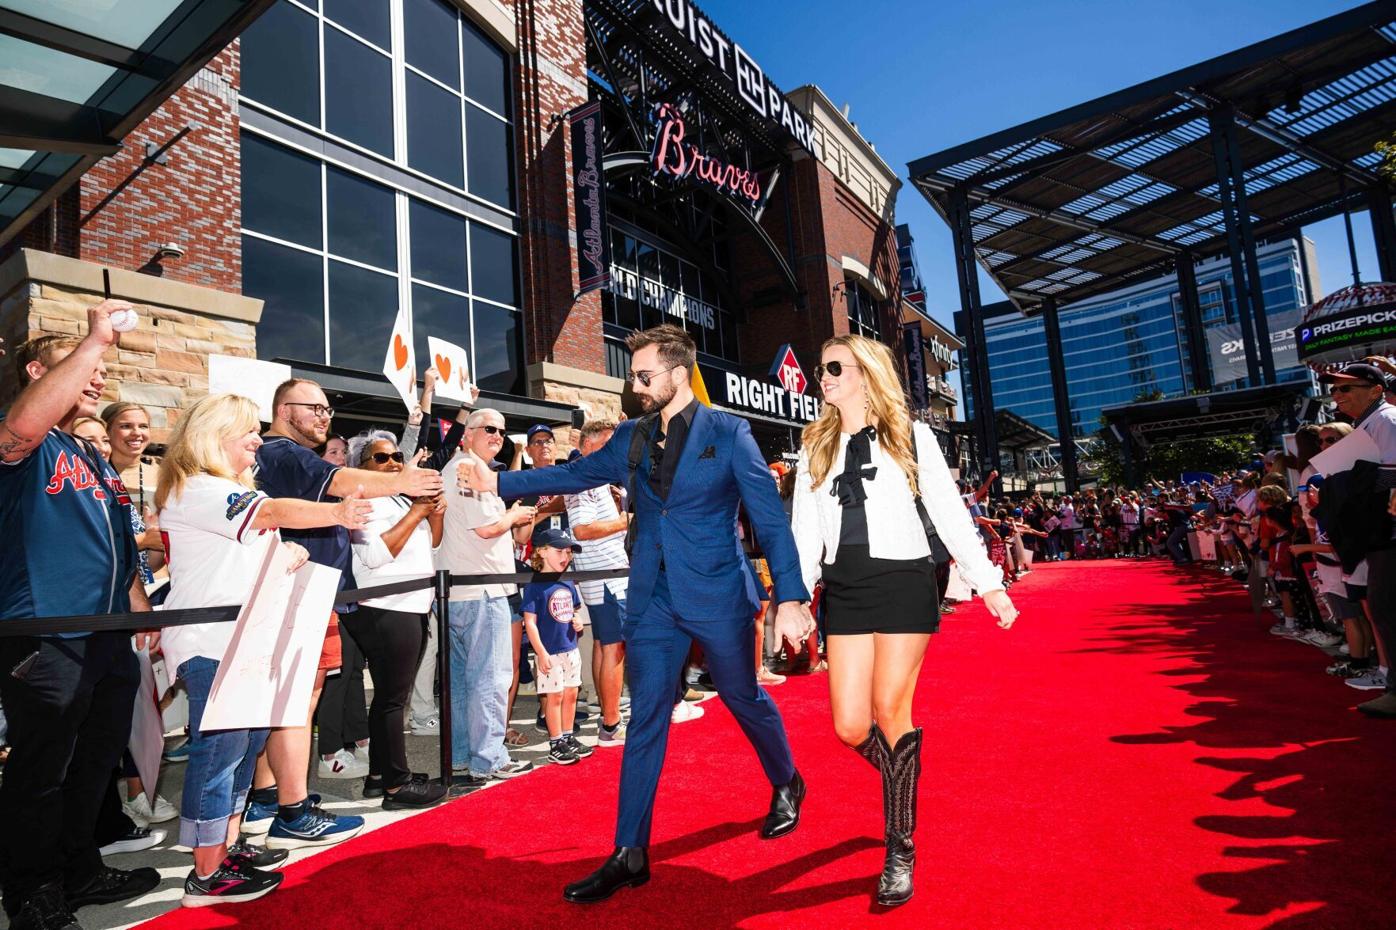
(708,453)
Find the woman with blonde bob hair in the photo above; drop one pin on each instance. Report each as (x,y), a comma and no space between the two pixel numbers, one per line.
(860,488)
(218,528)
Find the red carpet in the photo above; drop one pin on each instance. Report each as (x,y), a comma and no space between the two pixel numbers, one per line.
(1137,753)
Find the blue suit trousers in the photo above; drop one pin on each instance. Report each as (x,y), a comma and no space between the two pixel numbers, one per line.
(656,644)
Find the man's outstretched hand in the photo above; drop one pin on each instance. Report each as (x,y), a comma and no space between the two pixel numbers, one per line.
(475,474)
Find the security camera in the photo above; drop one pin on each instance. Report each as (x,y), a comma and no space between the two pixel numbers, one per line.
(170,250)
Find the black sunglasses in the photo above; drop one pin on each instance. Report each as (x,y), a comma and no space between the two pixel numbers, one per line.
(833,368)
(383,458)
(492,430)
(644,377)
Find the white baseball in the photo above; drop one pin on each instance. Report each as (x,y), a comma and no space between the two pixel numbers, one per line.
(123,321)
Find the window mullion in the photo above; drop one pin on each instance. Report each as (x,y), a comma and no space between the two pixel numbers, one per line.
(399,84)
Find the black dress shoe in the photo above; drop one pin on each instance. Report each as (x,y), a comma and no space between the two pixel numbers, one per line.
(785,808)
(628,867)
(111,885)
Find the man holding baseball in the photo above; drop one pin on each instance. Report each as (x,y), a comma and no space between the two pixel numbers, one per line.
(68,696)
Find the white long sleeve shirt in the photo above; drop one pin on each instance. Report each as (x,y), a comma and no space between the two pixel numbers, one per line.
(894,527)
(374,563)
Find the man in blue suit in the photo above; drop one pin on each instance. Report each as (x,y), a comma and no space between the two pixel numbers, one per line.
(688,581)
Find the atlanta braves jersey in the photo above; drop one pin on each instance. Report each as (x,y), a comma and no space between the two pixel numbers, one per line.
(66,525)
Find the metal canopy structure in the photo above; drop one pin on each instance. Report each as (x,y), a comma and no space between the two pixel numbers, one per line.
(78,77)
(1150,180)
(1224,413)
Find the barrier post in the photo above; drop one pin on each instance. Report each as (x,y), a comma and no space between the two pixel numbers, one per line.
(443,669)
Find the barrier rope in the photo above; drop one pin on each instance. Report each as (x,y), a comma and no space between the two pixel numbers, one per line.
(156,619)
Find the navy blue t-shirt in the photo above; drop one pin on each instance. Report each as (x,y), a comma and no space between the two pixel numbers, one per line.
(66,525)
(554,604)
(287,469)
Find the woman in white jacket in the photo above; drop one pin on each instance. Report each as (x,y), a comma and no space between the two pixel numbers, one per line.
(857,525)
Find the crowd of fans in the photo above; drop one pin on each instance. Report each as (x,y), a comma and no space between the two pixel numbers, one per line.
(89,506)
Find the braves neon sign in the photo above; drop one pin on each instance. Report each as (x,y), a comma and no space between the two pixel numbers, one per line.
(674,156)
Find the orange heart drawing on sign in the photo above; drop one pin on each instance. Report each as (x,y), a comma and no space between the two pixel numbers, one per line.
(443,368)
(399,351)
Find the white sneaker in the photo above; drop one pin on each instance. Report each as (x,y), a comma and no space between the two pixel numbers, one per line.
(138,839)
(343,764)
(1322,639)
(143,813)
(1374,680)
(684,711)
(617,738)
(428,727)
(1280,629)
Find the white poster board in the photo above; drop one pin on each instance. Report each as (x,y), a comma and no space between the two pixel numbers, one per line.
(268,672)
(452,363)
(249,377)
(1207,547)
(147,740)
(399,362)
(1355,447)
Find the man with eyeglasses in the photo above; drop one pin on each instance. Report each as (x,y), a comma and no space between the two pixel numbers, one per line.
(477,538)
(688,581)
(1358,392)
(287,466)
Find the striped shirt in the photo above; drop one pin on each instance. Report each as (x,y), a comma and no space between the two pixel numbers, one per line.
(596,506)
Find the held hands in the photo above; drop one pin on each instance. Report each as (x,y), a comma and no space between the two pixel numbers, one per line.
(299,556)
(794,623)
(352,512)
(1000,606)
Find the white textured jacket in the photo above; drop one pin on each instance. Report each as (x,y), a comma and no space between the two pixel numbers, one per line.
(894,527)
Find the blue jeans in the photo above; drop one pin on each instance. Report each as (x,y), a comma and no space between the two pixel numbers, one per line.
(482,668)
(221,763)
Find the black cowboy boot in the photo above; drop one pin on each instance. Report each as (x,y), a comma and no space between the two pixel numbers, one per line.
(871,749)
(901,772)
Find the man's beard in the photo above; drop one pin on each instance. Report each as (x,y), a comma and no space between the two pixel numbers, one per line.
(311,436)
(653,402)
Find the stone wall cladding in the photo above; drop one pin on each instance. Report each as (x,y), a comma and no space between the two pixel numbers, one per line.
(162,364)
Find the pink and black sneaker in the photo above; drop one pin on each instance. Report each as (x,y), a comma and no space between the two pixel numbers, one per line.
(233,882)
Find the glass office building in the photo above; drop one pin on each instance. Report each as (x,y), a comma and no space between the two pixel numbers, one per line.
(1132,342)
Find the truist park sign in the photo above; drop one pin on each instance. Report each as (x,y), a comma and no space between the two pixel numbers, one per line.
(679,159)
(758,93)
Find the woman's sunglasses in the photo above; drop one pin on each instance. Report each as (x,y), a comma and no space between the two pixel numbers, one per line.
(383,458)
(835,369)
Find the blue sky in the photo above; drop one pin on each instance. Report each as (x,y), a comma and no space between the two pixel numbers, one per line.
(923,76)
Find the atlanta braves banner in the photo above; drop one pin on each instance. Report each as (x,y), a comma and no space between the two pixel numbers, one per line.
(589,199)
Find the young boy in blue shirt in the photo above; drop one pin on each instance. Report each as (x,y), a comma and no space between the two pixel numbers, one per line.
(551,621)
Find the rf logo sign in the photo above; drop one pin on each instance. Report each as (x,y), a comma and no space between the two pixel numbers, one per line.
(787,371)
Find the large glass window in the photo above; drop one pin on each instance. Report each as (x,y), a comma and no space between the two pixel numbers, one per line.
(864,318)
(291,283)
(333,297)
(281,62)
(358,92)
(453,125)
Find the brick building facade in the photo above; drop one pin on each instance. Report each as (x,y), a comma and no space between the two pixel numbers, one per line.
(311,178)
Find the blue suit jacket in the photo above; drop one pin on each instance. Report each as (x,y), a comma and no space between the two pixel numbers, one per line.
(694,530)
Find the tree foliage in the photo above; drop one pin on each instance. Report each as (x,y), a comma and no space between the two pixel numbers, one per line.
(1167,460)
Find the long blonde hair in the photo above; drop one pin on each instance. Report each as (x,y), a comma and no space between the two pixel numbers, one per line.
(196,445)
(887,405)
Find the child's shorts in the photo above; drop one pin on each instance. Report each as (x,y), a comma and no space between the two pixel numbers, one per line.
(566,673)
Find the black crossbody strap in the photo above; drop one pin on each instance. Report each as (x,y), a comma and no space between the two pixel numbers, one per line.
(939,553)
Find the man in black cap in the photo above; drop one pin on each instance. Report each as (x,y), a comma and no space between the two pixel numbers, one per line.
(1358,393)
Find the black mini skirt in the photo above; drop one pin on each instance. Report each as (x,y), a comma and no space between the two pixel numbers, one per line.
(867,595)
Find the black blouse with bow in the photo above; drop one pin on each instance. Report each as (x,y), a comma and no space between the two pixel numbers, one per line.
(848,487)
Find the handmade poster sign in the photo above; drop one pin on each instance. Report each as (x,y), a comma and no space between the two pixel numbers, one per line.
(1355,447)
(267,674)
(452,363)
(399,364)
(249,377)
(147,740)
